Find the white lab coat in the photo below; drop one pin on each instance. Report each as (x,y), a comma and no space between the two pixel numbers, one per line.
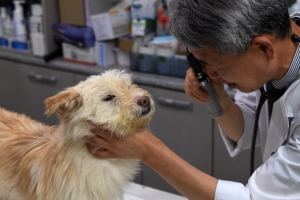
(279,175)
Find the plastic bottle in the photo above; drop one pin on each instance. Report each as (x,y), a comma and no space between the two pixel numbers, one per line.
(1,23)
(19,22)
(295,7)
(7,26)
(36,30)
(36,19)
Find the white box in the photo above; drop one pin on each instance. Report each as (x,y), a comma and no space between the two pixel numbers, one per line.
(80,55)
(112,24)
(104,54)
(141,9)
(123,57)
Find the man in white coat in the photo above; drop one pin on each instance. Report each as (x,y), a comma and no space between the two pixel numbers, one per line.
(244,44)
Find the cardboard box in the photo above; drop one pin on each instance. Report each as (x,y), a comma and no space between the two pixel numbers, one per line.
(125,44)
(72,12)
(112,24)
(73,53)
(78,12)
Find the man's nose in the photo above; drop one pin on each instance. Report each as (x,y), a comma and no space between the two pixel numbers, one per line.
(212,73)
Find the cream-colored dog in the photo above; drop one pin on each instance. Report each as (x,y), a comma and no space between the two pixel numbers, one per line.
(38,162)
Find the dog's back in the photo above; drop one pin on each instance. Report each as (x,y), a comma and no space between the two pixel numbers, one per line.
(36,164)
(22,143)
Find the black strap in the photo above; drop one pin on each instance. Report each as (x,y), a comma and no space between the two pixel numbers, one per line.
(272,95)
(260,104)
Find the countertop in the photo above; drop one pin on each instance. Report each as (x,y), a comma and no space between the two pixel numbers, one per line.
(140,192)
(167,82)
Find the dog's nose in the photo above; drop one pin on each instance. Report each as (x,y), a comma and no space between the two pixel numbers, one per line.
(144,101)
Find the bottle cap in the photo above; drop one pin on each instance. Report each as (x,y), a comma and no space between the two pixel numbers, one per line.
(36,9)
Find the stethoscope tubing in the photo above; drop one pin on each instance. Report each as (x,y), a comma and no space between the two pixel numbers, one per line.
(264,96)
(262,100)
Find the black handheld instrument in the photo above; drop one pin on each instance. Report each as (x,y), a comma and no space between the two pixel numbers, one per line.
(214,108)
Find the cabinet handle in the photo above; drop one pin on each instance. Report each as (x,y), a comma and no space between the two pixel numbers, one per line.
(174,103)
(42,78)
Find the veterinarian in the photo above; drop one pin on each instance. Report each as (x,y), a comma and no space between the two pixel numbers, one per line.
(252,46)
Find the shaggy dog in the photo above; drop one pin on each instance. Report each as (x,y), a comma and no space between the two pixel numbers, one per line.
(38,162)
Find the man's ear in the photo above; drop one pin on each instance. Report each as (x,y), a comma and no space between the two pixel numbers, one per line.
(265,44)
(63,103)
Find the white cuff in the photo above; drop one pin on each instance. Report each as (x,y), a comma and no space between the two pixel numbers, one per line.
(231,190)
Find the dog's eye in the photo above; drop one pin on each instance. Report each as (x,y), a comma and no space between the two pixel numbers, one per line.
(109,97)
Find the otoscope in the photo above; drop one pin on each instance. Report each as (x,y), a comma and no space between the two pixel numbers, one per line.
(214,108)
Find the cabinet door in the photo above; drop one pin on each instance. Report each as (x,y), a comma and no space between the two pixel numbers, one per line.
(37,85)
(185,127)
(9,85)
(79,77)
(232,169)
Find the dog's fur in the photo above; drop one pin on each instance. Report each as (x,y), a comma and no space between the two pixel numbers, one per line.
(38,162)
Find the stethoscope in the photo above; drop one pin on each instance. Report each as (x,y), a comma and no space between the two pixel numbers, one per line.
(264,96)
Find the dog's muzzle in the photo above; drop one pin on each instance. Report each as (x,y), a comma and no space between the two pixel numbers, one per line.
(145,103)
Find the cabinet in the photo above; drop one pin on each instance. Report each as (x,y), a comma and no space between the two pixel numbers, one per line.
(37,85)
(9,85)
(24,88)
(228,168)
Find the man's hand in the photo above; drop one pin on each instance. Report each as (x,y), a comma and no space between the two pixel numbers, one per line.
(191,88)
(106,145)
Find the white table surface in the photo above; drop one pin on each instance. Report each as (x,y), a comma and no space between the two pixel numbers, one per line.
(139,192)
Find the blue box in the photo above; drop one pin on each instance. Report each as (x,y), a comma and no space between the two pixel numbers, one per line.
(180,66)
(20,45)
(80,36)
(4,42)
(164,64)
(147,63)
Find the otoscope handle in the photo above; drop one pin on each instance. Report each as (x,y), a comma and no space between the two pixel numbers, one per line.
(214,108)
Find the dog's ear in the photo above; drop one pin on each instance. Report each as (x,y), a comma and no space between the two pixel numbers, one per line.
(63,103)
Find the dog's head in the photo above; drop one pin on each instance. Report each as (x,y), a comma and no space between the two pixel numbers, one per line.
(109,99)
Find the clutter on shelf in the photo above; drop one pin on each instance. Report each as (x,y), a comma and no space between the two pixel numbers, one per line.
(128,33)
(13,32)
(27,26)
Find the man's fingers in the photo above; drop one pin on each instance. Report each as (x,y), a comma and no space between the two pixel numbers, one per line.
(98,152)
(198,95)
(98,141)
(102,133)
